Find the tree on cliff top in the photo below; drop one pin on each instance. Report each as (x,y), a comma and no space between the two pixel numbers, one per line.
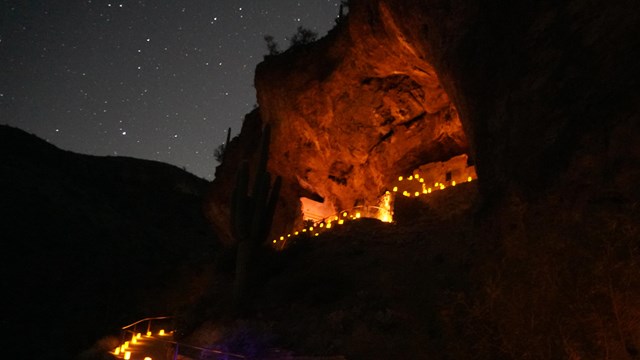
(272,45)
(303,36)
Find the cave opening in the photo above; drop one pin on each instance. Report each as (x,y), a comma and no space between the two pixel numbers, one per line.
(423,180)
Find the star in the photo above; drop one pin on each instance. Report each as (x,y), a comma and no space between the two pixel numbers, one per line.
(85,67)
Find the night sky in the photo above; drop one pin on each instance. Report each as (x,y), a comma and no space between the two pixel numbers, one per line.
(159,80)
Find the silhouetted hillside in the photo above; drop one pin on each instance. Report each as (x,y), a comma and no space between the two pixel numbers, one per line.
(91,242)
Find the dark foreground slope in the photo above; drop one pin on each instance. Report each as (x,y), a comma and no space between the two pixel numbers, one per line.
(363,290)
(553,278)
(90,242)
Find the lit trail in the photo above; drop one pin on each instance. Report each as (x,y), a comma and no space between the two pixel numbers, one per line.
(410,186)
(154,342)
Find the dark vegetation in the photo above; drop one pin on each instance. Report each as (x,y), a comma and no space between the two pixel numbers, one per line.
(302,36)
(218,153)
(91,243)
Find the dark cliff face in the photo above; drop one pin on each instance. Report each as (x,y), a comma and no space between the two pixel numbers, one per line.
(91,243)
(541,87)
(536,93)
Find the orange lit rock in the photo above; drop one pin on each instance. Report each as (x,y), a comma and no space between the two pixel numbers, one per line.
(349,114)
(353,111)
(367,103)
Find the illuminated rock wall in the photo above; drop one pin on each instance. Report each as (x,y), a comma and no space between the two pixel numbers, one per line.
(353,111)
(541,92)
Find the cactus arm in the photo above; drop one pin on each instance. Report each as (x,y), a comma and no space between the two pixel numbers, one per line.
(271,206)
(241,204)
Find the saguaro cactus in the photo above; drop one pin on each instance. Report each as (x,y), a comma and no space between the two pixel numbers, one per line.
(251,217)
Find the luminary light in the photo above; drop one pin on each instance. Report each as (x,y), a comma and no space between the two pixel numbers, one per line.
(134,340)
(399,178)
(147,358)
(441,186)
(395,189)
(410,178)
(138,335)
(358,215)
(340,222)
(453,183)
(117,351)
(469,179)
(161,332)
(317,234)
(296,233)
(122,348)
(321,224)
(421,180)
(344,214)
(417,176)
(311,228)
(304,230)
(274,241)
(127,355)
(281,237)
(148,333)
(329,225)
